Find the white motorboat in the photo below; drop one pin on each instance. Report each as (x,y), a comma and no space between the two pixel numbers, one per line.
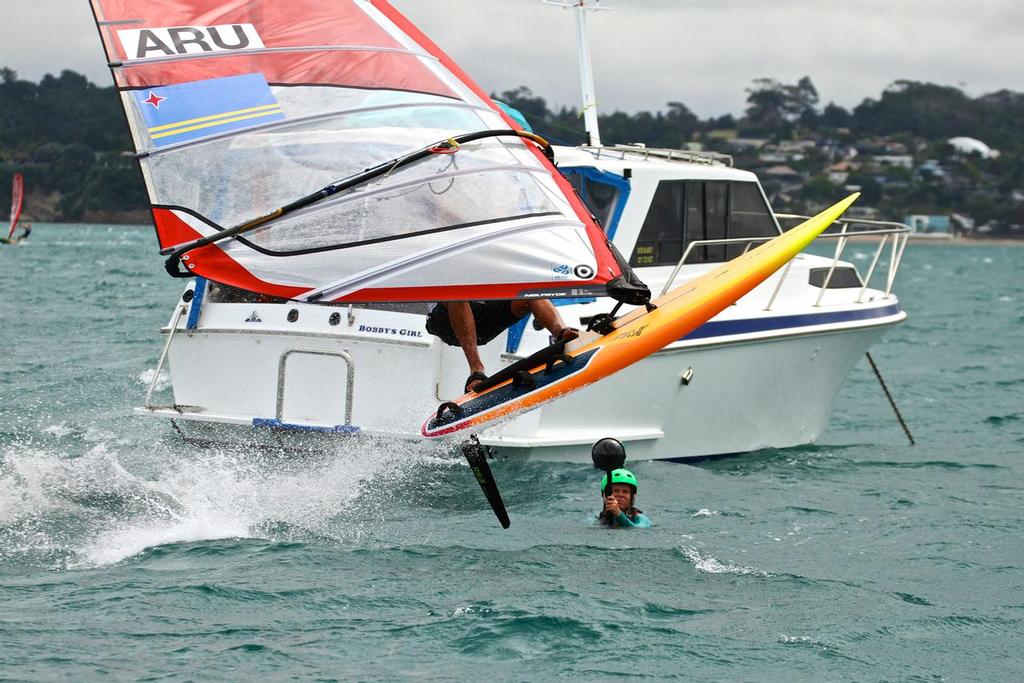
(763,373)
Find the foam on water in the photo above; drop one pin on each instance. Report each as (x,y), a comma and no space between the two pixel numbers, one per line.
(706,564)
(146,378)
(106,506)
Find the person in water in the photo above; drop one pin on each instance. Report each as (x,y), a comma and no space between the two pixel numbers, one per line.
(619,506)
(471,324)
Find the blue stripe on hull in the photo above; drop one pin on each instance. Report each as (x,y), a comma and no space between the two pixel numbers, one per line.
(724,328)
(278,424)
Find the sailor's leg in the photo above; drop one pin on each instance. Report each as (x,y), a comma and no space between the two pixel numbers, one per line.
(464,326)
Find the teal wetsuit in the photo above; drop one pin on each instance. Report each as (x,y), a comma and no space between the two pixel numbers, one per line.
(639,521)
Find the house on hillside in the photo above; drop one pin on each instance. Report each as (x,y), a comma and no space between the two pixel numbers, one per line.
(839,173)
(740,145)
(967,146)
(931,169)
(898,160)
(937,226)
(781,177)
(875,147)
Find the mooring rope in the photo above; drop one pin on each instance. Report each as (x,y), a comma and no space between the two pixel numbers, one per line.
(896,410)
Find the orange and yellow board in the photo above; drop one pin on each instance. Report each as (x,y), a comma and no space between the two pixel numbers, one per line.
(635,335)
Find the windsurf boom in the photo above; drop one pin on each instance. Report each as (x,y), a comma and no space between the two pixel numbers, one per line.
(17,201)
(331,152)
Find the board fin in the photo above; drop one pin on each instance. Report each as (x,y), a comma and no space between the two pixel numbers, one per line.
(476,455)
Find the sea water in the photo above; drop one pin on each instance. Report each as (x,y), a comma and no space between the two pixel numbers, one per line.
(128,555)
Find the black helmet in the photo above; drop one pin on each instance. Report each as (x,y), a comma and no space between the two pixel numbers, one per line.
(608,454)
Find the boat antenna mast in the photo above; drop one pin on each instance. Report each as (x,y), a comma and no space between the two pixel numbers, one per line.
(581,8)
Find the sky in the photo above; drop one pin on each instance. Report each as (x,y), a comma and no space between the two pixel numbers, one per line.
(704,53)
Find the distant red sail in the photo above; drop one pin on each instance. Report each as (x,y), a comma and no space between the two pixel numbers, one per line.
(239,108)
(17,201)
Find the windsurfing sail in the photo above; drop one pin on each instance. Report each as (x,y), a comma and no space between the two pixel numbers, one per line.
(329,151)
(17,201)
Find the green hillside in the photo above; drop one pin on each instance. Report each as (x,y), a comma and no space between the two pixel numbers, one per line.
(69,138)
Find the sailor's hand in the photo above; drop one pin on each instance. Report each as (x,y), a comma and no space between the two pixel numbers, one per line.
(611,506)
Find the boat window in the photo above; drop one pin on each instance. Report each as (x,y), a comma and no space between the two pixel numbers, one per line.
(749,216)
(685,211)
(661,237)
(599,197)
(716,220)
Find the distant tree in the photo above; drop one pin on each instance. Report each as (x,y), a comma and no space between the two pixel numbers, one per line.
(921,109)
(533,107)
(774,106)
(834,116)
(804,104)
(768,105)
(819,189)
(726,122)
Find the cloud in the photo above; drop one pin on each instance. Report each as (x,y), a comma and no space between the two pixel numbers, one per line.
(649,52)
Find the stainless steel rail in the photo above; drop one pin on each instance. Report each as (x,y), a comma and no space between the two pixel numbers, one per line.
(622,152)
(899,232)
(163,355)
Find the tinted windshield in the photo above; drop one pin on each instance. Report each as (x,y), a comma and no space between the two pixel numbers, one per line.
(685,211)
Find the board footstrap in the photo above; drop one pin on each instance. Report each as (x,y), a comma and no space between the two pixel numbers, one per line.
(541,357)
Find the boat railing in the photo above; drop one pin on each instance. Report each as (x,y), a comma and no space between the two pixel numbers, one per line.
(889,233)
(179,311)
(623,152)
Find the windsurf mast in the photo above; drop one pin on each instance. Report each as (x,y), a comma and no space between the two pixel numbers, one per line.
(588,92)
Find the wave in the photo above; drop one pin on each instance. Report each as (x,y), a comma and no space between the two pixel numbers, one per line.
(706,564)
(106,506)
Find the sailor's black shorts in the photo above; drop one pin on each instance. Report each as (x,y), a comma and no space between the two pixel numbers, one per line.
(492,318)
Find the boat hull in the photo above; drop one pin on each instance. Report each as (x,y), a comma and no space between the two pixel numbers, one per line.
(309,392)
(737,400)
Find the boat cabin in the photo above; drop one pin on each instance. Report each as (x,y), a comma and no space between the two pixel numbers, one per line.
(655,203)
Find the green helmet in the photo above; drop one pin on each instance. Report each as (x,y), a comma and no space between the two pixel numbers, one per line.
(620,476)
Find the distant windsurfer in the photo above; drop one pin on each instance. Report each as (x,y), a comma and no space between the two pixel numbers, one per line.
(473,324)
(26,230)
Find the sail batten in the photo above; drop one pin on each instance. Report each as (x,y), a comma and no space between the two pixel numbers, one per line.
(239,109)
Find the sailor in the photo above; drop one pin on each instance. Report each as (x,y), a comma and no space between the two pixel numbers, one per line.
(26,228)
(470,324)
(619,509)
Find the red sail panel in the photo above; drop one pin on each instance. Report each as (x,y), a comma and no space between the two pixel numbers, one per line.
(17,200)
(296,24)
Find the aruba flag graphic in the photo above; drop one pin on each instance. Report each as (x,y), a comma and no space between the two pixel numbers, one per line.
(176,113)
